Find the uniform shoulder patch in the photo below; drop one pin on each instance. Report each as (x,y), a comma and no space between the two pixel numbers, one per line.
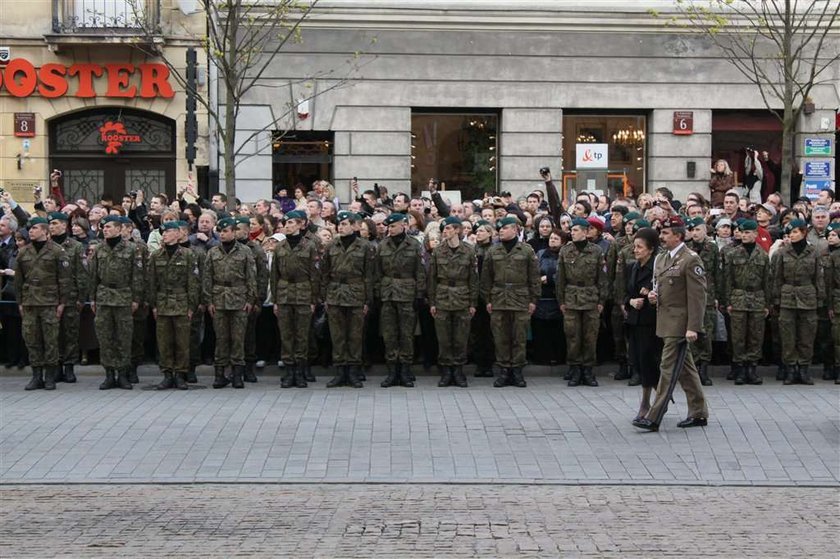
(699,271)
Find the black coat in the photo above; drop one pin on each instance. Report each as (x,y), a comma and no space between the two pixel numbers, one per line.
(639,277)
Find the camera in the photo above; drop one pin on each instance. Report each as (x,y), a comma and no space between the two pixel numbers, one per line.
(133,194)
(544,171)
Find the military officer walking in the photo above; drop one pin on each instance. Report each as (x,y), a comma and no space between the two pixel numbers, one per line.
(116,274)
(347,283)
(680,297)
(68,332)
(229,288)
(295,289)
(510,283)
(173,297)
(400,280)
(708,252)
(243,228)
(453,296)
(581,284)
(43,289)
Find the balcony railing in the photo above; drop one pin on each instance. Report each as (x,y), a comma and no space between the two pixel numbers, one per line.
(118,17)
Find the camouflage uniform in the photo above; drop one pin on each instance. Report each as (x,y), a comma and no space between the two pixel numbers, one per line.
(701,350)
(616,315)
(68,334)
(173,291)
(581,284)
(250,350)
(831,266)
(295,289)
(42,283)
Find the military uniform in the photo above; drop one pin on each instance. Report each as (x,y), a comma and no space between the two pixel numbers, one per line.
(116,282)
(831,267)
(510,282)
(68,334)
(581,284)
(173,292)
(295,288)
(229,284)
(347,284)
(42,283)
(400,279)
(453,290)
(616,315)
(701,350)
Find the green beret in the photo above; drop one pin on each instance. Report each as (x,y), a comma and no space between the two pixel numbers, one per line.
(243,219)
(58,216)
(182,223)
(125,220)
(580,222)
(508,220)
(395,218)
(832,227)
(748,225)
(296,214)
(170,225)
(226,222)
(111,219)
(481,222)
(350,216)
(630,216)
(640,224)
(452,220)
(694,222)
(795,224)
(37,220)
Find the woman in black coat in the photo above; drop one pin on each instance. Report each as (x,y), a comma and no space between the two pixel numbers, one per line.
(548,340)
(640,316)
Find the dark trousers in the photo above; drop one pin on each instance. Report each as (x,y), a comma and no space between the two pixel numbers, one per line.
(482,347)
(548,342)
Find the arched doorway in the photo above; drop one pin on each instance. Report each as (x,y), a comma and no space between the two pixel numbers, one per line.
(113,150)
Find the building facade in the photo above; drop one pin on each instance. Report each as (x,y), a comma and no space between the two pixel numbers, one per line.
(483,94)
(91,88)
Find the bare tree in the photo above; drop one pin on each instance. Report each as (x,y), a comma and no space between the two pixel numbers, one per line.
(778,45)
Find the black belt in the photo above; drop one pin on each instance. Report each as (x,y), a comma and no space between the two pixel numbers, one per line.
(348,280)
(455,283)
(296,280)
(110,285)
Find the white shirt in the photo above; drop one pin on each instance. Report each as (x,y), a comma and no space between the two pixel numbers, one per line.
(674,252)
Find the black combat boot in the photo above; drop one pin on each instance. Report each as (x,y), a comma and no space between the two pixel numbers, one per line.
(575,373)
(220,380)
(353,372)
(732,371)
(704,374)
(300,377)
(804,376)
(445,376)
(752,374)
(109,381)
(307,373)
(623,371)
(167,382)
(362,376)
(288,378)
(829,372)
(123,379)
(181,381)
(837,375)
(635,377)
(191,377)
(249,375)
(237,377)
(59,374)
(340,377)
(69,374)
(393,375)
(406,374)
(588,377)
(790,374)
(740,372)
(516,378)
(458,376)
(781,372)
(131,376)
(503,379)
(37,381)
(482,371)
(568,374)
(49,377)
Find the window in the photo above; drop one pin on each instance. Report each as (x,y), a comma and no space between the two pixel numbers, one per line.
(459,148)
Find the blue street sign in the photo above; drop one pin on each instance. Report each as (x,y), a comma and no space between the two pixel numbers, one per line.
(818,169)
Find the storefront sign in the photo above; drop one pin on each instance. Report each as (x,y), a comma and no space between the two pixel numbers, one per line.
(817,146)
(817,169)
(25,125)
(591,156)
(683,122)
(20,78)
(812,187)
(114,135)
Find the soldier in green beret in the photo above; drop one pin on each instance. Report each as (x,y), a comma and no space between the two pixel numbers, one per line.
(173,293)
(116,273)
(510,283)
(229,289)
(708,252)
(243,230)
(43,289)
(347,284)
(400,279)
(745,292)
(296,292)
(581,284)
(831,265)
(453,296)
(68,332)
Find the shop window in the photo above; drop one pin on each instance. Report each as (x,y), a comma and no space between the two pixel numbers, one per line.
(735,132)
(301,158)
(459,149)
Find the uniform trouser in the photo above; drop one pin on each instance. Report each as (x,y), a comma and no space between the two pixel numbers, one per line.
(138,336)
(196,332)
(483,347)
(835,338)
(230,337)
(250,348)
(294,322)
(68,335)
(40,332)
(114,329)
(510,331)
(688,379)
(747,328)
(346,329)
(453,333)
(797,328)
(701,350)
(581,327)
(619,333)
(397,322)
(823,345)
(173,338)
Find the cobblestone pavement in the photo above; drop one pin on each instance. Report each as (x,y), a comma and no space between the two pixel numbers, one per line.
(299,521)
(547,432)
